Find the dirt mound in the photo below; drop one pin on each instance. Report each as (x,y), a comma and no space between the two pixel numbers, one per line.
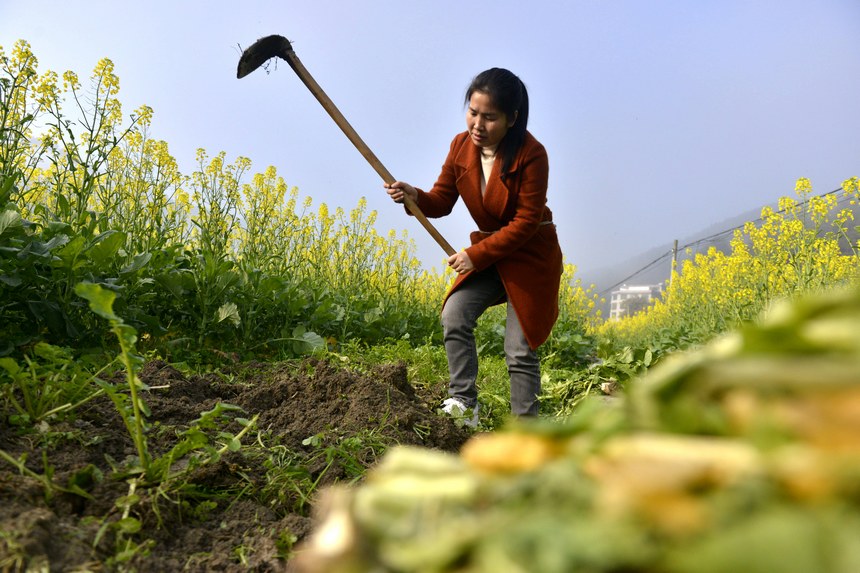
(317,423)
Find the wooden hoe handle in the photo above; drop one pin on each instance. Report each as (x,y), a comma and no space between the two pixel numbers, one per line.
(362,147)
(278,46)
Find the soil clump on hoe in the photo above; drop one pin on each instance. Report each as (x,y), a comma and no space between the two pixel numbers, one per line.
(228,508)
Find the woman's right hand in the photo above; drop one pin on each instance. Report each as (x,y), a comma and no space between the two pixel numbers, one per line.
(398,190)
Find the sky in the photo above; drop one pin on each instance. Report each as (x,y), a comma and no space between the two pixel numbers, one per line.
(660,117)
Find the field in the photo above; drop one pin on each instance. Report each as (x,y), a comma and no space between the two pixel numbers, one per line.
(316,424)
(203,371)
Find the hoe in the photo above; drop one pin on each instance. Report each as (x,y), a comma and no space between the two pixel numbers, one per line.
(278,46)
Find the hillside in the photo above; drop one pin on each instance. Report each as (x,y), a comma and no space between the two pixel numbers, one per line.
(653,266)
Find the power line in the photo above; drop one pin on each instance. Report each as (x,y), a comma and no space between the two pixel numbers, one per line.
(758,220)
(712,238)
(643,269)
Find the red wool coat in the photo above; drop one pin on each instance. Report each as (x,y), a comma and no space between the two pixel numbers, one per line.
(510,234)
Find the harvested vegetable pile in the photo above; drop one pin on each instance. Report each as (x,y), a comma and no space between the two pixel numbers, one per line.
(741,456)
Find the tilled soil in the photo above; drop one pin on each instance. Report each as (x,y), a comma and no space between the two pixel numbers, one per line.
(243,512)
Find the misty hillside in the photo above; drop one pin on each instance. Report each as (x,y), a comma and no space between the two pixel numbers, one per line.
(654,265)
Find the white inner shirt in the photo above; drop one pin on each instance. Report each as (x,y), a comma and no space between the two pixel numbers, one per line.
(488,157)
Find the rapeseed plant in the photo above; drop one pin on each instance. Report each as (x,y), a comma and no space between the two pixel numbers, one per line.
(800,247)
(221,257)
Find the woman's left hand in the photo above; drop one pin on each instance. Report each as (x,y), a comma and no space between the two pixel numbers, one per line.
(461,263)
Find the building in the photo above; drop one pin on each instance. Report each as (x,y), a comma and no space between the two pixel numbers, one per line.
(629,299)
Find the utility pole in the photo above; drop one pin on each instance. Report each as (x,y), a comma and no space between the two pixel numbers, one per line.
(674,262)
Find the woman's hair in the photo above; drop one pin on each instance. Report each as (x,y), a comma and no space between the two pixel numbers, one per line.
(509,95)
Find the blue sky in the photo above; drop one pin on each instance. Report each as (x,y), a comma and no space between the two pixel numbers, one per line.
(660,117)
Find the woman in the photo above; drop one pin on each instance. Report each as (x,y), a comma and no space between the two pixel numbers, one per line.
(500,170)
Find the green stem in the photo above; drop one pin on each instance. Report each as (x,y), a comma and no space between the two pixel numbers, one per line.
(239,436)
(131,376)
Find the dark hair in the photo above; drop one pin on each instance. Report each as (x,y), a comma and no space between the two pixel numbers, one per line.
(509,95)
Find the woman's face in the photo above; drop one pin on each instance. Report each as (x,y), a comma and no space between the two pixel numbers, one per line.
(486,124)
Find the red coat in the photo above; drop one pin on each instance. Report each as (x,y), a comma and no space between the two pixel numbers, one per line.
(525,252)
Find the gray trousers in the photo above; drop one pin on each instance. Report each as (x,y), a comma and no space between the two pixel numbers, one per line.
(459,317)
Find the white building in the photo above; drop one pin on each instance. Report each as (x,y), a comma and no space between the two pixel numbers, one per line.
(629,298)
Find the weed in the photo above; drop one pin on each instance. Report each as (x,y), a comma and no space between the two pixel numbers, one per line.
(288,486)
(13,554)
(241,554)
(101,302)
(284,544)
(50,383)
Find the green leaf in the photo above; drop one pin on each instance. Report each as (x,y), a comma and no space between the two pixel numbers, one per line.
(306,341)
(127,500)
(54,228)
(174,282)
(10,221)
(6,188)
(12,281)
(105,246)
(649,356)
(72,250)
(51,244)
(314,440)
(62,203)
(100,299)
(51,353)
(49,313)
(10,366)
(20,420)
(138,262)
(128,525)
(314,340)
(373,315)
(229,311)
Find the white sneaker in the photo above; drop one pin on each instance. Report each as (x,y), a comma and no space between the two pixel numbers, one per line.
(460,412)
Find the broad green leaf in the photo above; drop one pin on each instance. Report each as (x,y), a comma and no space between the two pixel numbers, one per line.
(100,299)
(55,228)
(174,282)
(54,242)
(105,246)
(138,262)
(306,341)
(12,281)
(10,221)
(315,340)
(229,311)
(72,250)
(373,315)
(649,357)
(10,366)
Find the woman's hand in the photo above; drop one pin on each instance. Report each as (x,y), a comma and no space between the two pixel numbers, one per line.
(398,190)
(461,263)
